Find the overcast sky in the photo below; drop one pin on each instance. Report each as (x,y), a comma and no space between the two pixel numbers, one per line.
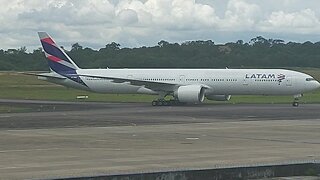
(136,23)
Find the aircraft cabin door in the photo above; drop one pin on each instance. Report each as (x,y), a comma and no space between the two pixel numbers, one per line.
(289,81)
(182,79)
(245,81)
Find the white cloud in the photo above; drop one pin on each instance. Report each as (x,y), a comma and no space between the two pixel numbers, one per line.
(145,22)
(70,12)
(240,15)
(174,14)
(127,16)
(304,21)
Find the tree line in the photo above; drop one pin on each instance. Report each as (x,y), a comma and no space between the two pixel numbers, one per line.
(257,53)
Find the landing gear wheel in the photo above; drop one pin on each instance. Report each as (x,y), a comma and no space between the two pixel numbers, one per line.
(165,103)
(296,100)
(154,103)
(161,103)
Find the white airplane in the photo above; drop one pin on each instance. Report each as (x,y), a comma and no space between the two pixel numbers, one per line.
(185,85)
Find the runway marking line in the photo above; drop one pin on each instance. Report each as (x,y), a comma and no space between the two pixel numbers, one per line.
(26,150)
(50,149)
(192,138)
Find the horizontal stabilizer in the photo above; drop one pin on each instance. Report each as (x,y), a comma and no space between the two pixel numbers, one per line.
(47,75)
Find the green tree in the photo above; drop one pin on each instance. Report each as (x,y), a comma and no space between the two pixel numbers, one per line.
(76,47)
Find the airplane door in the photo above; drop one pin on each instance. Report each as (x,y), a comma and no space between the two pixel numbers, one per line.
(182,79)
(245,81)
(289,81)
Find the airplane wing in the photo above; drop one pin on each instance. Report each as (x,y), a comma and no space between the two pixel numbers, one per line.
(47,75)
(153,85)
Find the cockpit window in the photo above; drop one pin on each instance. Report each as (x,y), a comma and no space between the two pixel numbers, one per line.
(310,79)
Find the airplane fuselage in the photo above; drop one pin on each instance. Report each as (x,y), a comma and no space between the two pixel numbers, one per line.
(220,81)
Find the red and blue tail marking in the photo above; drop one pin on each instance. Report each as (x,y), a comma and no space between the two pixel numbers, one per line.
(58,60)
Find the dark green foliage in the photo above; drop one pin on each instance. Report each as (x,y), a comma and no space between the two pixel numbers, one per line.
(258,52)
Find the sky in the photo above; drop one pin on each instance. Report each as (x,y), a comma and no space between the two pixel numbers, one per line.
(136,23)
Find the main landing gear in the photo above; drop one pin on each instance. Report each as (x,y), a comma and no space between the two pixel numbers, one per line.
(162,102)
(296,100)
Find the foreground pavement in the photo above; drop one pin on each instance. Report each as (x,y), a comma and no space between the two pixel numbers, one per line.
(133,138)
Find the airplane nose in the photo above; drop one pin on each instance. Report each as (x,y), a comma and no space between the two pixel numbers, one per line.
(317,85)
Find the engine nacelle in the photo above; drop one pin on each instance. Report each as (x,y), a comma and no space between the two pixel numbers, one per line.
(190,94)
(219,97)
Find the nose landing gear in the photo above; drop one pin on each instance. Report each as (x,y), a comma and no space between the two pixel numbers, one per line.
(296,100)
(295,104)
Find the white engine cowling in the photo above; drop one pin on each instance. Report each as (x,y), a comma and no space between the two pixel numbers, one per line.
(219,97)
(190,94)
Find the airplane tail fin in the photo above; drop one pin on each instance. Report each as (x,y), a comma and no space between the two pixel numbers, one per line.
(58,60)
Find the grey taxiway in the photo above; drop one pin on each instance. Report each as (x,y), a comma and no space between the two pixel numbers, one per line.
(62,139)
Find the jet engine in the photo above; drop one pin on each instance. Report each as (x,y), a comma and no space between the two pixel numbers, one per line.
(190,94)
(219,97)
